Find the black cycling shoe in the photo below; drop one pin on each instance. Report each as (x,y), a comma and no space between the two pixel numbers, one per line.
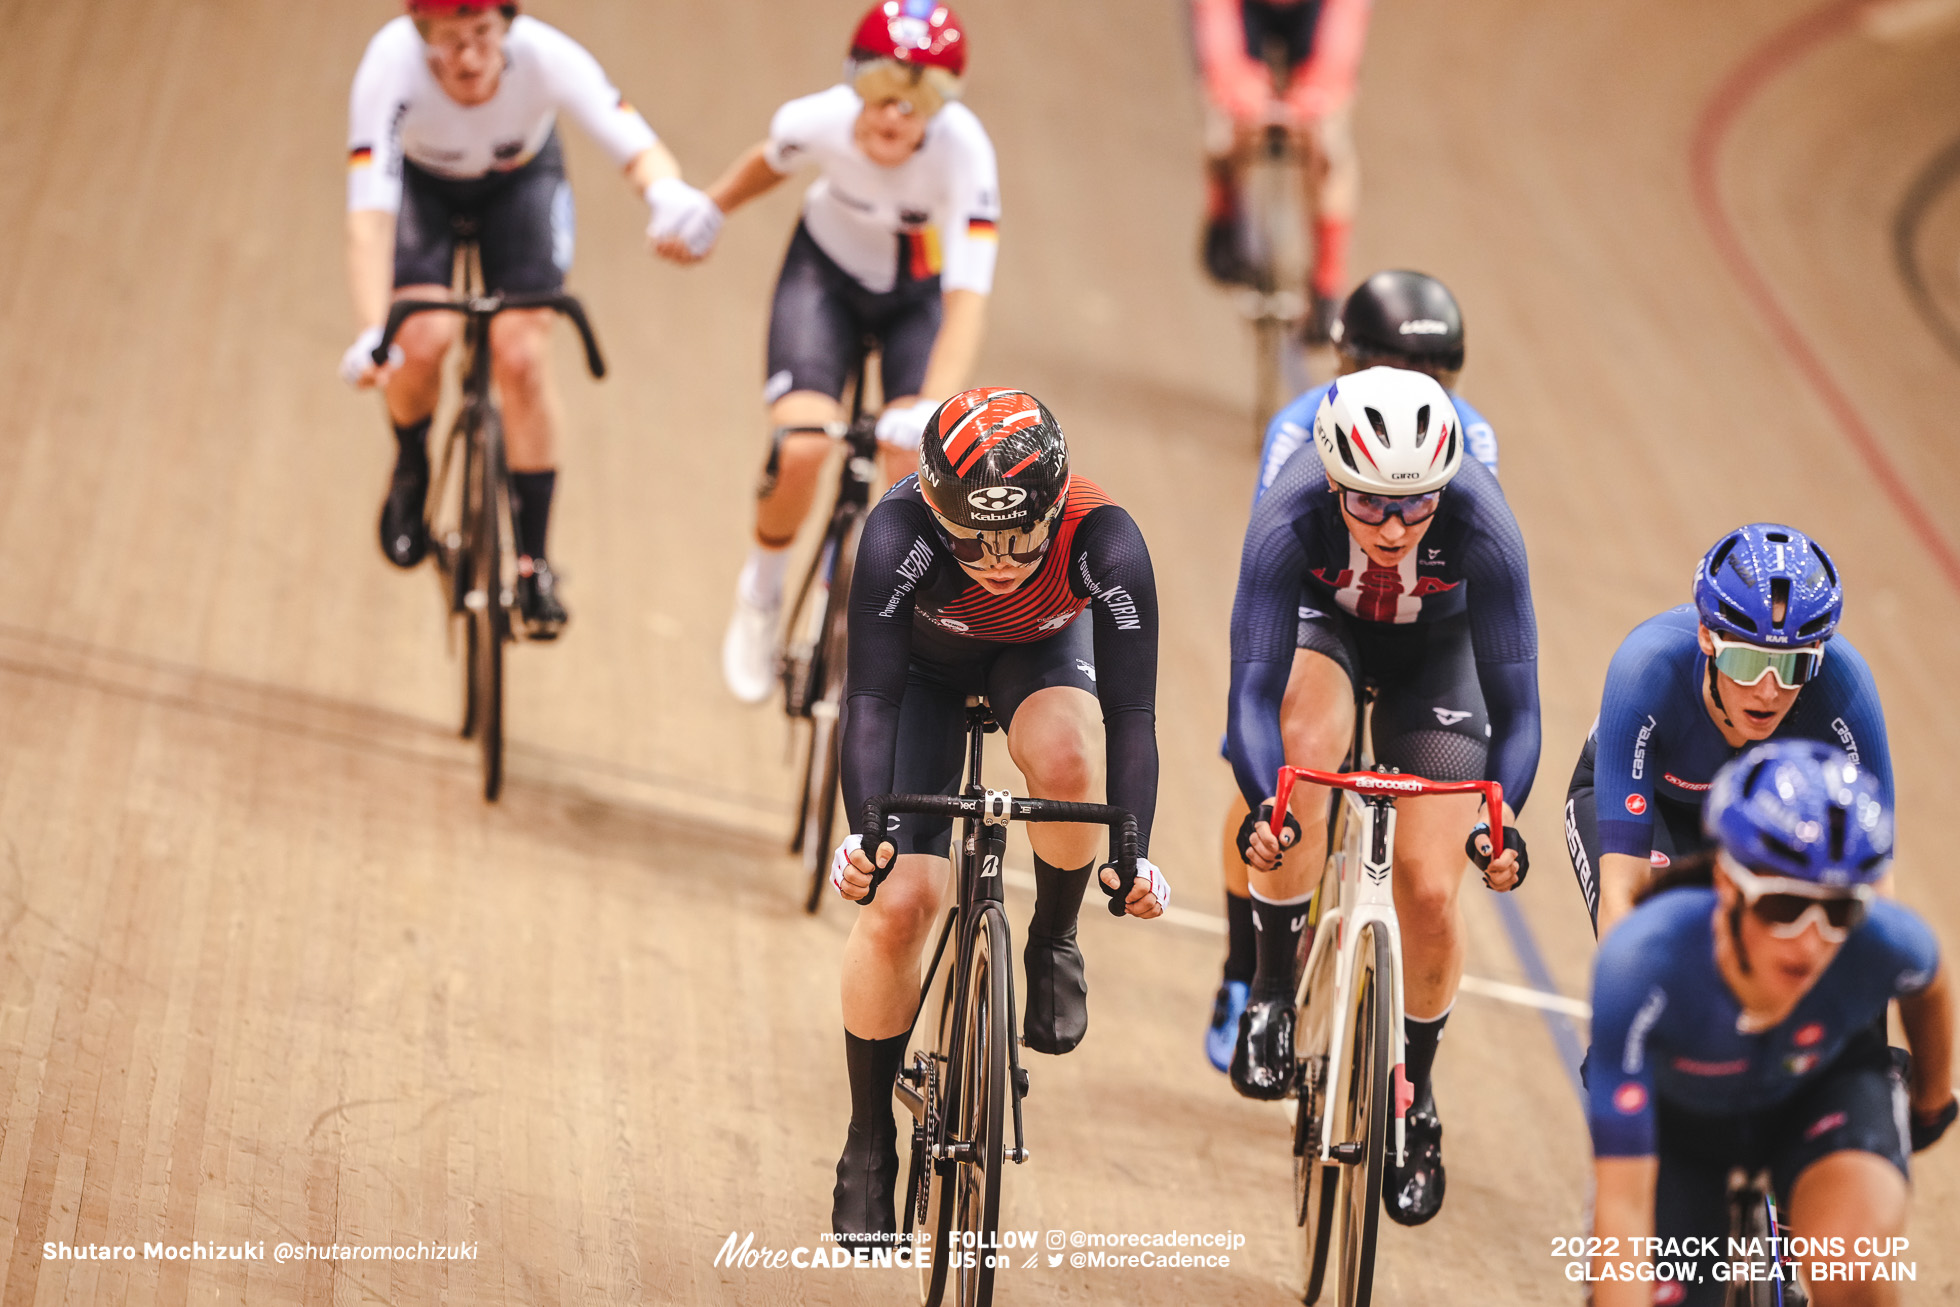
(404,535)
(861,1210)
(537,599)
(1317,328)
(1222,257)
(1058,994)
(1262,1062)
(1414,1193)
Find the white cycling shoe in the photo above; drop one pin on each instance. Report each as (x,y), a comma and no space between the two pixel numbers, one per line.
(748,650)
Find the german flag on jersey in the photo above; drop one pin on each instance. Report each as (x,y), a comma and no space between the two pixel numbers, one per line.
(982,229)
(920,252)
(1045,603)
(360,156)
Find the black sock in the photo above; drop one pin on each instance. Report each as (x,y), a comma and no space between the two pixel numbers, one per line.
(1242,948)
(1280,927)
(412,442)
(530,494)
(1419,1039)
(873,1064)
(1057,899)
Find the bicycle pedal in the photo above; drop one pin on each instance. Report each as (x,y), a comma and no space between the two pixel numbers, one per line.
(1021,1081)
(1347,1154)
(1017,1155)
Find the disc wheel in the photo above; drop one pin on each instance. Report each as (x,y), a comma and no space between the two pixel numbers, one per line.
(1361,1113)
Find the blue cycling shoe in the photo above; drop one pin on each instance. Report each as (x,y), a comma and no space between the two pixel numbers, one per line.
(1224,1031)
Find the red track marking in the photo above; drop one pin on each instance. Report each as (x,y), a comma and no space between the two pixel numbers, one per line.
(1773,57)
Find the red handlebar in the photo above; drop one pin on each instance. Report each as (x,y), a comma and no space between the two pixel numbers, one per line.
(1374,782)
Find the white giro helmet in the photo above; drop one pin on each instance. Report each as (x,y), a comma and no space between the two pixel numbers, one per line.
(1388,431)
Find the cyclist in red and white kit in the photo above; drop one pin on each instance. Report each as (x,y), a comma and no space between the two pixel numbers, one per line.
(1320,42)
(897,242)
(454,116)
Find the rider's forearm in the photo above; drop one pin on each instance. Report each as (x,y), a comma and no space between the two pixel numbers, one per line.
(749,176)
(370,263)
(1253,744)
(1623,1210)
(1620,878)
(1928,1020)
(650,165)
(963,321)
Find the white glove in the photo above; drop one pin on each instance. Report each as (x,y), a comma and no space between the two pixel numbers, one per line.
(840,861)
(1147,874)
(679,210)
(904,428)
(354,364)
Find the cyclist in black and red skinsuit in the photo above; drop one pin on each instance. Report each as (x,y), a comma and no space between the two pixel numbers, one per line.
(970,577)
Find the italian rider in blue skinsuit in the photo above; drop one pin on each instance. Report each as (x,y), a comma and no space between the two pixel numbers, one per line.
(1739,1022)
(1755,657)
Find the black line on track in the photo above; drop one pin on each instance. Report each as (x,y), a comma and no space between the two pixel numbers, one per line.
(1932,182)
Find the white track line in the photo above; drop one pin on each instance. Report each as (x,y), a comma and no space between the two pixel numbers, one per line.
(1496,989)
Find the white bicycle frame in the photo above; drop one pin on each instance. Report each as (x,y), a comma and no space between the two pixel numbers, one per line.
(1364,887)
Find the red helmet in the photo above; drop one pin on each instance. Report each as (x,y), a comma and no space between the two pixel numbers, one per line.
(922,32)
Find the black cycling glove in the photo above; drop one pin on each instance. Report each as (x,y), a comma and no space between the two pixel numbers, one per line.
(1264,818)
(1512,840)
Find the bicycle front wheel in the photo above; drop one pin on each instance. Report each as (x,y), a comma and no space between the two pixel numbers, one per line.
(1316,1184)
(489,618)
(1361,1112)
(927,1215)
(821,773)
(976,1110)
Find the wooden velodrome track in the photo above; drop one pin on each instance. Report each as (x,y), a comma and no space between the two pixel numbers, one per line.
(273,972)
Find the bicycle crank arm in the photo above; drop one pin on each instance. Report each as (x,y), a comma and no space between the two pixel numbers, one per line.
(914,1101)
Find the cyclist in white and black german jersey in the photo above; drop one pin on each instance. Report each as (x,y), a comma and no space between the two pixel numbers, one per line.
(454,116)
(896,242)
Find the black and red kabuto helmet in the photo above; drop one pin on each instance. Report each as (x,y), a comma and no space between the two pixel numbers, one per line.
(994,460)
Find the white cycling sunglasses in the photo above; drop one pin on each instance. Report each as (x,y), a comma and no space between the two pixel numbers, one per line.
(1788,906)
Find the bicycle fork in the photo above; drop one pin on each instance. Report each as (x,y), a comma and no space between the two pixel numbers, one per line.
(1366,896)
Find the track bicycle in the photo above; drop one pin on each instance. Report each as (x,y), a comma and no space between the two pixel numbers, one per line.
(1349,1069)
(468,511)
(955,1088)
(1273,245)
(813,656)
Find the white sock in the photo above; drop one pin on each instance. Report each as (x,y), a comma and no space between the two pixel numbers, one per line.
(761,582)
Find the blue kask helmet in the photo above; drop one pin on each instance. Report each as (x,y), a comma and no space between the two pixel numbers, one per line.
(1802,809)
(1759,572)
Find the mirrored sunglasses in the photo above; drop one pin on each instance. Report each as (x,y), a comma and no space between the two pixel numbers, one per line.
(1788,907)
(982,550)
(1746,664)
(1377,509)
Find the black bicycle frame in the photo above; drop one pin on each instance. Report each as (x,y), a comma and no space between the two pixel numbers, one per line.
(985,815)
